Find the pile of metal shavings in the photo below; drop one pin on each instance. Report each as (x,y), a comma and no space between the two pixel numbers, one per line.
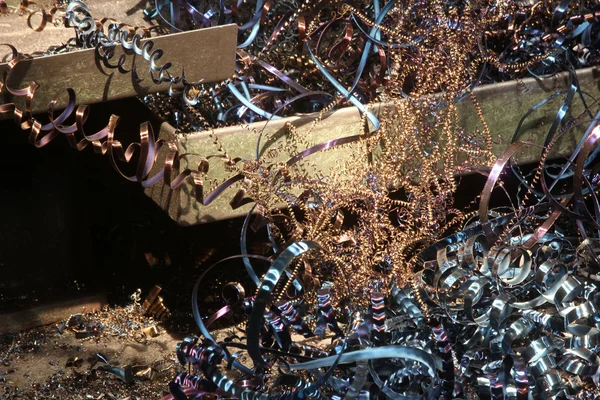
(506,307)
(302,57)
(115,353)
(423,300)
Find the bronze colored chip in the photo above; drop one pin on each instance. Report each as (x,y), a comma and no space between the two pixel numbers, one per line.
(151,297)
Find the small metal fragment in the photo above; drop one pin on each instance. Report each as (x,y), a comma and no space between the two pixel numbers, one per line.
(151,331)
(149,300)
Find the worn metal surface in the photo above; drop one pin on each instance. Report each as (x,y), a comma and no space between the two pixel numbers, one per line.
(14,29)
(503,106)
(207,54)
(241,142)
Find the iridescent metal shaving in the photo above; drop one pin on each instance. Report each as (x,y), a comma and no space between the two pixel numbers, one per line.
(362,295)
(505,308)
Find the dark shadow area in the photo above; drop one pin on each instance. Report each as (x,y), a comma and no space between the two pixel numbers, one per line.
(72,225)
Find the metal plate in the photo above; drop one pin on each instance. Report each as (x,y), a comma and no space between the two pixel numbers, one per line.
(207,54)
(503,105)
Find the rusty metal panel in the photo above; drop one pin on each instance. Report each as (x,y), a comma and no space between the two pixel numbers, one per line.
(503,105)
(207,54)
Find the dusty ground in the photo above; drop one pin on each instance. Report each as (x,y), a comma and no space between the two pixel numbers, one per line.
(116,353)
(54,363)
(103,355)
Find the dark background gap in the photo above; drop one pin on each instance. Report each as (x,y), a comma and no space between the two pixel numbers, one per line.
(72,225)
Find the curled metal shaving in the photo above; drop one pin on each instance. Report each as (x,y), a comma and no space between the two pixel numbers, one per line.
(504,308)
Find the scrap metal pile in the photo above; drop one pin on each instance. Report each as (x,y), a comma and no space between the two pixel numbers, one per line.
(375,285)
